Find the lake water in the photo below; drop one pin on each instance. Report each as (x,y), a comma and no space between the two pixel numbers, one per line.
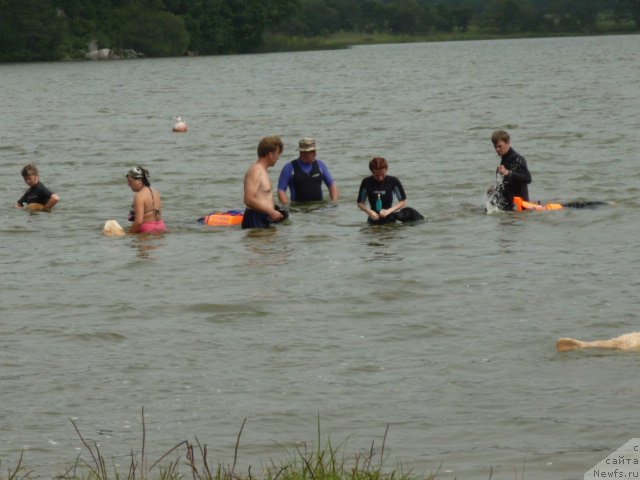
(445,331)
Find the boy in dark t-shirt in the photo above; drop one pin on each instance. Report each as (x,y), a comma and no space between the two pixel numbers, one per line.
(37,197)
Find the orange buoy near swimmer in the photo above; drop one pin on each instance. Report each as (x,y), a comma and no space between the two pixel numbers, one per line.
(180,125)
(521,205)
(221,219)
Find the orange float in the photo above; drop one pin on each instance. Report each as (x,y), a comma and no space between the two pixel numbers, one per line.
(521,205)
(221,219)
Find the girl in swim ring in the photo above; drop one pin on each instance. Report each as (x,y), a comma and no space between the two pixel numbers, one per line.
(146,211)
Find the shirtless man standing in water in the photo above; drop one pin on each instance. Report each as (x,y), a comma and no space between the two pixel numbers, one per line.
(261,210)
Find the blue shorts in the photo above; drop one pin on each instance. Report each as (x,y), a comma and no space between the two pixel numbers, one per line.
(253,219)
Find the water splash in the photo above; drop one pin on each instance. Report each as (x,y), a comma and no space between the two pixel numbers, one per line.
(491,200)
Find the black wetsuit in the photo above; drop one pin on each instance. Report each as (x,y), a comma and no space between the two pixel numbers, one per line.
(514,184)
(308,187)
(36,194)
(369,191)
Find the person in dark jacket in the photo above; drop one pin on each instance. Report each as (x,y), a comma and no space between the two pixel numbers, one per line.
(513,174)
(37,197)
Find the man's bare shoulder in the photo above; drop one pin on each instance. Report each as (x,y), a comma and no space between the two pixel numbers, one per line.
(257,169)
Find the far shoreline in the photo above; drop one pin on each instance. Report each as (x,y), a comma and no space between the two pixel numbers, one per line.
(282,43)
(277,43)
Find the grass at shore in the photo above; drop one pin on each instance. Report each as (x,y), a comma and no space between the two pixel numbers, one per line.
(285,43)
(190,459)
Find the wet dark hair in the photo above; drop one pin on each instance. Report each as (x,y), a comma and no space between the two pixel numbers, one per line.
(28,170)
(500,135)
(378,163)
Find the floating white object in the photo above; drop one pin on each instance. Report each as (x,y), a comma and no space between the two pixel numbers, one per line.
(628,341)
(180,126)
(113,229)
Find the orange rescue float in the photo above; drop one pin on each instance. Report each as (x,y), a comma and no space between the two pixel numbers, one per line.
(521,205)
(221,219)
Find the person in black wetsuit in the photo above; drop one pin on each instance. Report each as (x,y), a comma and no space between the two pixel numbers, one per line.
(514,174)
(376,193)
(37,197)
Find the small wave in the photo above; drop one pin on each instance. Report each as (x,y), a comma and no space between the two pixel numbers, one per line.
(226,309)
(108,336)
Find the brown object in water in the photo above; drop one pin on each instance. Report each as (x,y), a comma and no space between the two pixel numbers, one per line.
(34,207)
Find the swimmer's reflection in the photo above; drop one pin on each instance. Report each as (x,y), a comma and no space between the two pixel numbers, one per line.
(145,244)
(264,248)
(382,243)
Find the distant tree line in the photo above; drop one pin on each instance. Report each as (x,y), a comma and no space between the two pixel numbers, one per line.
(32,30)
(425,17)
(52,29)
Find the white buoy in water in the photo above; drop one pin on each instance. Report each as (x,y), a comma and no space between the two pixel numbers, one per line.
(113,229)
(179,126)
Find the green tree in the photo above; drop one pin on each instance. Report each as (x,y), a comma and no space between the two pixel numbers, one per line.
(177,7)
(443,18)
(462,16)
(234,26)
(576,15)
(629,9)
(30,30)
(404,17)
(315,17)
(151,31)
(508,16)
(210,32)
(583,14)
(249,20)
(370,18)
(349,14)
